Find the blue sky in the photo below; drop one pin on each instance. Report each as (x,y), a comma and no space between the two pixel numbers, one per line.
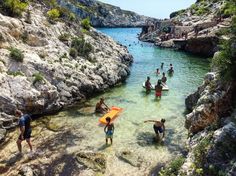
(152,8)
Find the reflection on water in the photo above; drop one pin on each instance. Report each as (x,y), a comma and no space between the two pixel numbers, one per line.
(131,134)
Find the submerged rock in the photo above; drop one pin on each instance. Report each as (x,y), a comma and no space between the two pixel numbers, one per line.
(130,157)
(94,161)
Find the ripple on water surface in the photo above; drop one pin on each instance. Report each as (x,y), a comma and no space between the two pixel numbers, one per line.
(131,134)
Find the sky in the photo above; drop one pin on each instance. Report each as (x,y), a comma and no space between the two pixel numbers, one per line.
(152,8)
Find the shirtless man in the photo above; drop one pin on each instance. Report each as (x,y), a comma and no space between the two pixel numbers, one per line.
(159,127)
(101,107)
(148,85)
(109,130)
(163,79)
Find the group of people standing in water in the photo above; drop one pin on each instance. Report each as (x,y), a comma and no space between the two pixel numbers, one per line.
(160,83)
(101,107)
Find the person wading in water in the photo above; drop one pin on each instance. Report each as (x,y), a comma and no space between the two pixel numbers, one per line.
(109,130)
(101,106)
(159,127)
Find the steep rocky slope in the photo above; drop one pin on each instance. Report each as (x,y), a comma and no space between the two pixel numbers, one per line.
(42,72)
(104,15)
(194,29)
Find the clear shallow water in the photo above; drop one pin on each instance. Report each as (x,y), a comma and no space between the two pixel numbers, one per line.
(131,134)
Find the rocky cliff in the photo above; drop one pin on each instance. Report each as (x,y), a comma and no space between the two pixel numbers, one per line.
(194,29)
(104,15)
(212,129)
(47,64)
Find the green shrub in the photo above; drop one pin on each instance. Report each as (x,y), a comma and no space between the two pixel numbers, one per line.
(38,77)
(72,17)
(64,37)
(16,73)
(225,62)
(229,8)
(202,11)
(53,14)
(24,36)
(86,23)
(14,7)
(173,168)
(1,38)
(83,48)
(16,54)
(28,17)
(174,14)
(73,52)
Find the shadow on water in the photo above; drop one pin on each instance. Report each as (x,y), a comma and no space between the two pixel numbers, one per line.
(148,139)
(103,147)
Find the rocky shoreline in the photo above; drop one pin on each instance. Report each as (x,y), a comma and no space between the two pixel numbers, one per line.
(212,129)
(49,78)
(189,30)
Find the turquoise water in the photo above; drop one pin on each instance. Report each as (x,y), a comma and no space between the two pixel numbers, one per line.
(130,132)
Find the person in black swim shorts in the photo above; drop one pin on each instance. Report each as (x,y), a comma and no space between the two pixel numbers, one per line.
(159,127)
(25,130)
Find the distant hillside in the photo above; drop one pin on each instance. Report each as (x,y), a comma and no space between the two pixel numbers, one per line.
(104,15)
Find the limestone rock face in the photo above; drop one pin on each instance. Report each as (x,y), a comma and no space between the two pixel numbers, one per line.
(217,151)
(205,46)
(104,15)
(48,78)
(211,101)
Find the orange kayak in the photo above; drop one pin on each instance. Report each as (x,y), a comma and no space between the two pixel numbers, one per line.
(113,113)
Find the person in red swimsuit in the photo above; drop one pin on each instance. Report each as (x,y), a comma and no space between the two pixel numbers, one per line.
(148,85)
(158,89)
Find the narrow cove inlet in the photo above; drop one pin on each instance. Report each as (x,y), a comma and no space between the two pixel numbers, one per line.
(72,133)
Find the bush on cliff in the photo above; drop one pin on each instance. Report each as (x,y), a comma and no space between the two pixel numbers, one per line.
(225,61)
(73,52)
(86,23)
(64,37)
(174,14)
(38,77)
(53,14)
(13,7)
(16,54)
(173,168)
(82,47)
